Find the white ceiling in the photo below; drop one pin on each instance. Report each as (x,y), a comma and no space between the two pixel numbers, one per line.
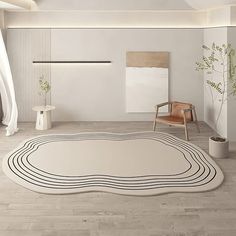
(130,4)
(121,13)
(17,4)
(5,5)
(112,5)
(121,5)
(206,4)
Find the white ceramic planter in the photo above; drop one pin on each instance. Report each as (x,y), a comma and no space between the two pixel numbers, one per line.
(218,149)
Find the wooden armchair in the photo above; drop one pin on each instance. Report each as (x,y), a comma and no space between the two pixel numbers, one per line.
(180,115)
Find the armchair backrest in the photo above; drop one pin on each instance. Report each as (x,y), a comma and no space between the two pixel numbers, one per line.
(176,108)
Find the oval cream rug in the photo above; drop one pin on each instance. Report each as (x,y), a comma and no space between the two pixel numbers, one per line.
(145,163)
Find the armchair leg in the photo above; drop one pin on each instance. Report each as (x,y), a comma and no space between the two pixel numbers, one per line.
(154,125)
(197,125)
(155,120)
(186,131)
(185,127)
(196,121)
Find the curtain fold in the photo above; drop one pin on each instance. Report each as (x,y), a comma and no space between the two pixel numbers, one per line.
(9,107)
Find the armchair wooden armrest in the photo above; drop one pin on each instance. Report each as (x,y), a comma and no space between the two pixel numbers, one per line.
(192,108)
(187,110)
(163,104)
(158,106)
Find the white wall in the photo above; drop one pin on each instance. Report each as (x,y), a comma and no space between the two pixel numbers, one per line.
(24,46)
(227,127)
(2,19)
(219,36)
(97,92)
(231,105)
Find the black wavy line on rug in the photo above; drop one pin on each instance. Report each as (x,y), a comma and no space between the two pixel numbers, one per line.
(95,175)
(35,172)
(127,177)
(77,176)
(84,185)
(145,184)
(84,177)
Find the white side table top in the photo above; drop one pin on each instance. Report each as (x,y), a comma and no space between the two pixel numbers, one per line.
(44,108)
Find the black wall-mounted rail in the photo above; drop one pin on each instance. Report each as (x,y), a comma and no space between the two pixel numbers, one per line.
(72,62)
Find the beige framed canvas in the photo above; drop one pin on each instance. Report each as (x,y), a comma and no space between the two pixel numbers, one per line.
(147,80)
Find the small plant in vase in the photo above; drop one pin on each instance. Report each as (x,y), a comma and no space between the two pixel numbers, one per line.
(218,63)
(44,88)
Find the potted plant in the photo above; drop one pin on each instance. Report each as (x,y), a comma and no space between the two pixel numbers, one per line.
(44,89)
(218,63)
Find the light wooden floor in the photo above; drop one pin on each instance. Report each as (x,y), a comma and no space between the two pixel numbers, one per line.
(26,213)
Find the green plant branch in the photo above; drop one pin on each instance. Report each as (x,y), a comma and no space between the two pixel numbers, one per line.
(44,88)
(219,57)
(222,99)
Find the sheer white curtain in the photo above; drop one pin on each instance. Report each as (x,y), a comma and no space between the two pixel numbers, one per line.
(9,107)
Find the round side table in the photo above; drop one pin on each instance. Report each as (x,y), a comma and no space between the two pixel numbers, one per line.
(43,121)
